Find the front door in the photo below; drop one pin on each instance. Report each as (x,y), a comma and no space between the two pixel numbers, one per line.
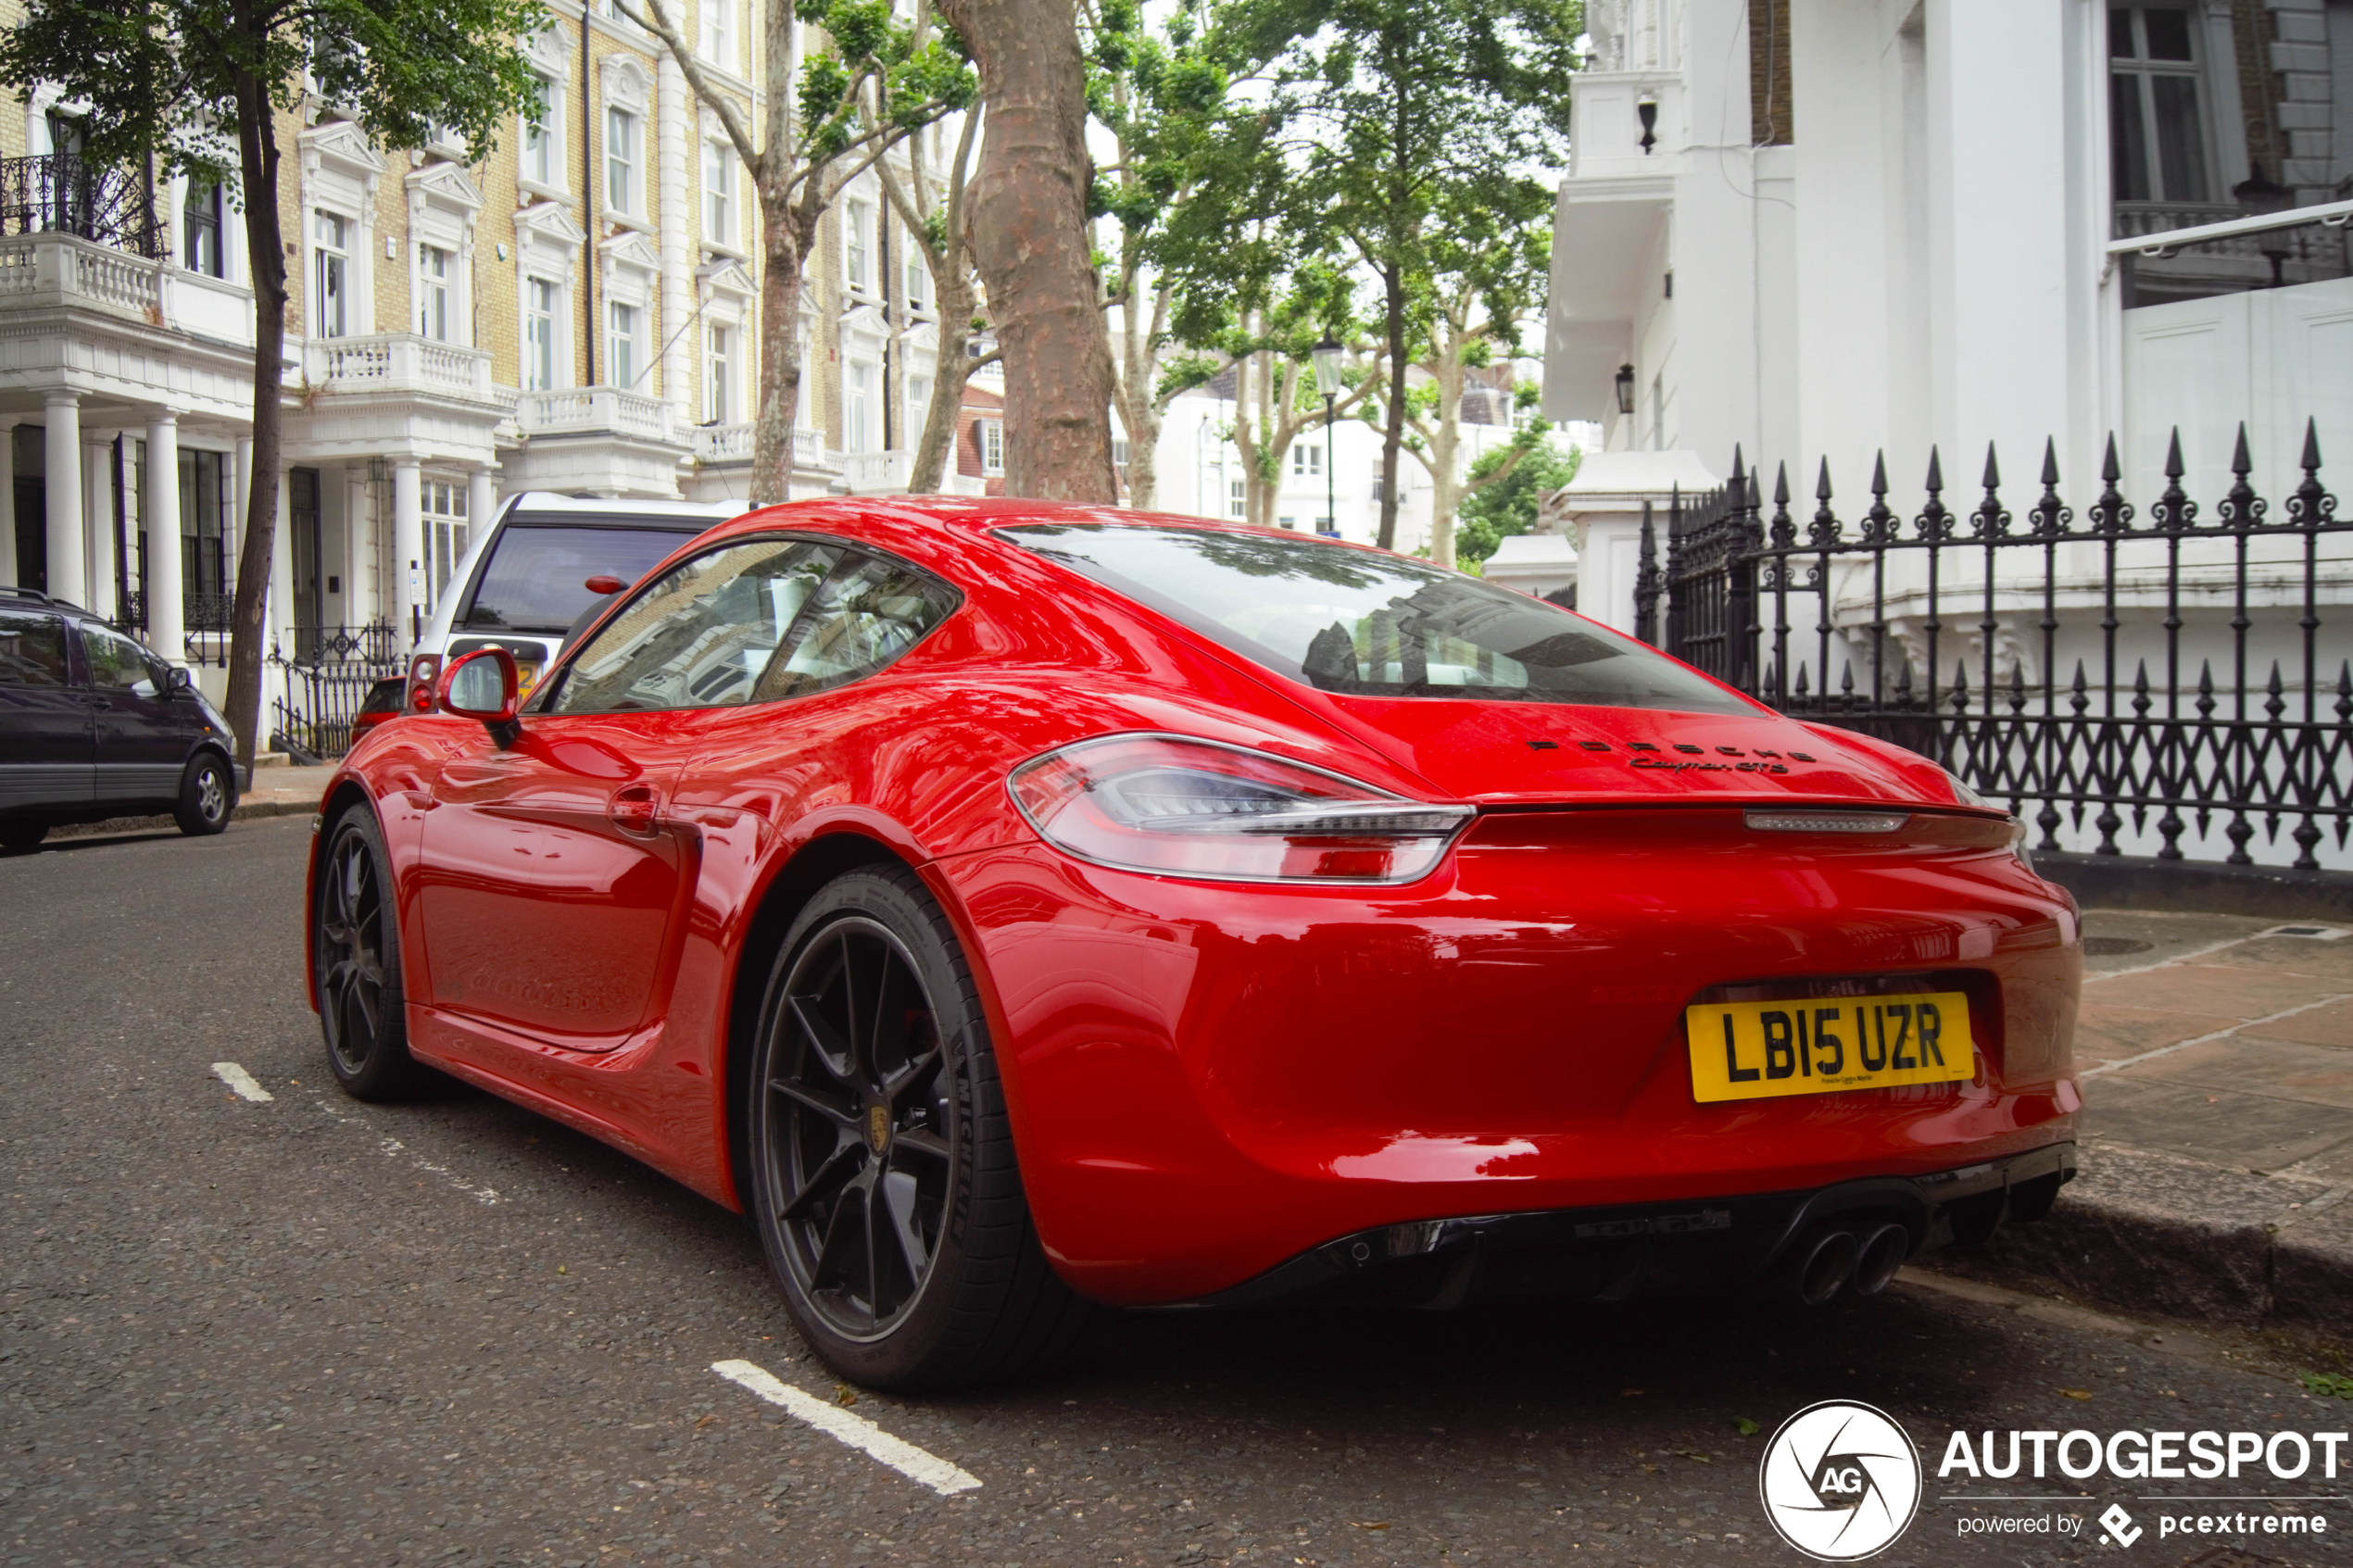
(143,734)
(44,715)
(549,879)
(554,872)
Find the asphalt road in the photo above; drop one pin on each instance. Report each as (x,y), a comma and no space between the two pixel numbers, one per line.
(307,1331)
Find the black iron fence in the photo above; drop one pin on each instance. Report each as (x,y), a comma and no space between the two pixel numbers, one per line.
(63,193)
(206,623)
(325,681)
(2156,676)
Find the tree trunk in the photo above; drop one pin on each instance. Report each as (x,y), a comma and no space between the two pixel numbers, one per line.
(780,287)
(257,168)
(1445,444)
(1393,437)
(1143,458)
(951,370)
(1031,243)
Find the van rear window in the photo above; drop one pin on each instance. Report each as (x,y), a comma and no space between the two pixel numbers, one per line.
(536,578)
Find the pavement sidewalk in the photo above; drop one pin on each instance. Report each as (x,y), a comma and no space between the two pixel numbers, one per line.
(2216,1054)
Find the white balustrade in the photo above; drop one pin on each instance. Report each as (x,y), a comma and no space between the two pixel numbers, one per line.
(592,409)
(399,361)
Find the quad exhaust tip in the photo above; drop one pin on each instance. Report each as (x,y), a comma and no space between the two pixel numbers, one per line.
(1833,1258)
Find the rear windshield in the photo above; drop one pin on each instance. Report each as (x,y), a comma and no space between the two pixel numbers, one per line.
(1353,622)
(536,578)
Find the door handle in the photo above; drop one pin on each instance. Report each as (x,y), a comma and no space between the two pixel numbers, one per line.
(99,705)
(636,809)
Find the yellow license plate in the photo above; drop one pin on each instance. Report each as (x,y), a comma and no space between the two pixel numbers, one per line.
(1755,1050)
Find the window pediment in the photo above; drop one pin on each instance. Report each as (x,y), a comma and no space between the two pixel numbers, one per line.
(725,279)
(340,148)
(444,185)
(549,52)
(625,82)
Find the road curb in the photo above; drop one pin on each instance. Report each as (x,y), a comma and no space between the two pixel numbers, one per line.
(247,810)
(2149,1233)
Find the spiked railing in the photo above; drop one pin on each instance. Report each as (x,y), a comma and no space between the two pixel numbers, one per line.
(1951,637)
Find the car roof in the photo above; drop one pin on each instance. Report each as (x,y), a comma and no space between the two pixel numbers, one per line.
(533,505)
(36,596)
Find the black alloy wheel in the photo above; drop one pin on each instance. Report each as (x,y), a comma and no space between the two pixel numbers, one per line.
(207,797)
(880,1159)
(862,1095)
(356,952)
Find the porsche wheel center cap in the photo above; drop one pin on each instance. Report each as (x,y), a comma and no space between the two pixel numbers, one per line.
(878,1127)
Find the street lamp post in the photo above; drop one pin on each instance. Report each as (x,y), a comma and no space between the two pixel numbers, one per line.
(1326,355)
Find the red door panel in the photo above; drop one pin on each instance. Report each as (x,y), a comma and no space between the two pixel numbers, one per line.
(552,876)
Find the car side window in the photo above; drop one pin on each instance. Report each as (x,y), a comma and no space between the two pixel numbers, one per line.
(701,635)
(32,649)
(117,664)
(871,610)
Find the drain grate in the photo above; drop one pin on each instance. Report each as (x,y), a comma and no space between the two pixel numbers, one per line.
(2114,947)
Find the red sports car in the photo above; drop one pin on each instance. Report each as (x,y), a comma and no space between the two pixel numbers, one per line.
(1016,906)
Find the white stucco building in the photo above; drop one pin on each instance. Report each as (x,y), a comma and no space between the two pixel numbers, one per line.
(1822,228)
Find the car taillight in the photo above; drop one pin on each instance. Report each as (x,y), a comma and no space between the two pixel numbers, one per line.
(423,670)
(1177,806)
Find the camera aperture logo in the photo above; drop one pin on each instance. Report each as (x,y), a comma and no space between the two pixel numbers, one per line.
(1839,1481)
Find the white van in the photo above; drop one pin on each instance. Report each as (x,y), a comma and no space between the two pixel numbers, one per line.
(524,580)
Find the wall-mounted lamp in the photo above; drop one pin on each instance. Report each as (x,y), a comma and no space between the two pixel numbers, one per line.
(1625,389)
(1646,109)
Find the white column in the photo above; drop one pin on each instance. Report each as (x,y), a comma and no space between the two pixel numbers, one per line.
(364,597)
(481,500)
(408,548)
(62,449)
(166,634)
(97,530)
(283,611)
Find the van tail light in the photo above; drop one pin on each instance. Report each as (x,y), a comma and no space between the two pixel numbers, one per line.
(1177,806)
(423,672)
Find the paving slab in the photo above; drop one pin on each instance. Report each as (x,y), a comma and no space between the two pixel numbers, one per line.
(2222,990)
(2216,1149)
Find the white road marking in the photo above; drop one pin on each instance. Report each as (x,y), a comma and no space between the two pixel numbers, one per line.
(854,1430)
(394,1147)
(243,1082)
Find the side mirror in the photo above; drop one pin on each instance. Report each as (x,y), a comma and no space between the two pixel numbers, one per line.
(176,682)
(482,685)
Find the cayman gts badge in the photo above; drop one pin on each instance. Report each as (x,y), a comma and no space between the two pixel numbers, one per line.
(1681,757)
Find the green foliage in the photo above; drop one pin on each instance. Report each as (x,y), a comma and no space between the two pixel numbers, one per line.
(160,77)
(2328,1385)
(919,79)
(1495,513)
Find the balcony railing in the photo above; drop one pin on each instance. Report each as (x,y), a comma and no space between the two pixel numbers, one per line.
(875,473)
(397,362)
(732,443)
(61,194)
(583,411)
